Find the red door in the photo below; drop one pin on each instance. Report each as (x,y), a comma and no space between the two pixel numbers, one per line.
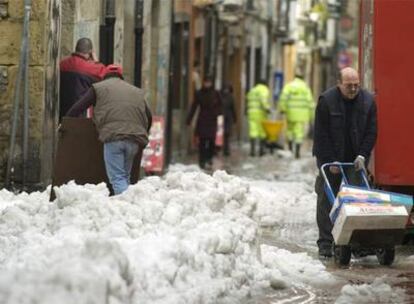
(387,34)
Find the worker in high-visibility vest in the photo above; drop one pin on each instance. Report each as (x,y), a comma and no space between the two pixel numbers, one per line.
(258,107)
(296,102)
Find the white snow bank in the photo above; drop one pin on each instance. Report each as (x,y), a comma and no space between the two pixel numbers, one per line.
(297,267)
(377,292)
(185,238)
(296,202)
(248,166)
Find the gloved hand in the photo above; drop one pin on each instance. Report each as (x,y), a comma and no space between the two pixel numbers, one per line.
(334,169)
(359,163)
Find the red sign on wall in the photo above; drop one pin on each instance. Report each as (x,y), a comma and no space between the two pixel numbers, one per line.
(153,155)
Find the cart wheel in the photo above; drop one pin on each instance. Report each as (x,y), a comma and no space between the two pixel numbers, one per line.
(342,255)
(385,256)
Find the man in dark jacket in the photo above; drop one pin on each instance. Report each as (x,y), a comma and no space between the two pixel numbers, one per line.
(209,101)
(123,120)
(345,131)
(77,74)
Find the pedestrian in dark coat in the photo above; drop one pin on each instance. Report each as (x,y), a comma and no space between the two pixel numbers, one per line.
(229,113)
(345,131)
(210,104)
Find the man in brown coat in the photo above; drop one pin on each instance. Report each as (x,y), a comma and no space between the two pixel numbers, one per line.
(123,120)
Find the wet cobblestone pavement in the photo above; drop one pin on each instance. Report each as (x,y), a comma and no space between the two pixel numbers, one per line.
(282,167)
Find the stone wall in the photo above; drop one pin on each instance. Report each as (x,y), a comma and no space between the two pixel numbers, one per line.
(156,53)
(68,23)
(124,40)
(87,21)
(11,23)
(55,26)
(163,57)
(80,18)
(51,107)
(146,51)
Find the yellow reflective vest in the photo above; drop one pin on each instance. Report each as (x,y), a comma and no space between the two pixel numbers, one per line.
(296,101)
(257,108)
(258,101)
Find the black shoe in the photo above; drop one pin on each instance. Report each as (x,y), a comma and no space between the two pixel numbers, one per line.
(325,251)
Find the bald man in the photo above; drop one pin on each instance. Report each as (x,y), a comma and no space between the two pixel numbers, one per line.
(345,131)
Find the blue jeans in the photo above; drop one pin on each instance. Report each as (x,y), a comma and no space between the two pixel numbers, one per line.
(119,157)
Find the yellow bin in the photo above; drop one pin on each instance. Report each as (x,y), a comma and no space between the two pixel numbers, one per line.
(273,129)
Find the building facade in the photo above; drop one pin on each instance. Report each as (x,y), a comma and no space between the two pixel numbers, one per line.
(55,26)
(165,47)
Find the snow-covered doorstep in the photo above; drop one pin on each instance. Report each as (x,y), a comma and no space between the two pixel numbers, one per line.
(185,238)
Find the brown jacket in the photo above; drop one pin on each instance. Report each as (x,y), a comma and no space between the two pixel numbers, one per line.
(121,111)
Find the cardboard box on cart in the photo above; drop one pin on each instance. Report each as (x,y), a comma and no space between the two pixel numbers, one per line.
(363,209)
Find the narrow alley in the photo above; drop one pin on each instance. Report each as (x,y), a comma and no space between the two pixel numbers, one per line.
(206,152)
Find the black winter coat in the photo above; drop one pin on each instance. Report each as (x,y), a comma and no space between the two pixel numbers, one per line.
(329,138)
(210,104)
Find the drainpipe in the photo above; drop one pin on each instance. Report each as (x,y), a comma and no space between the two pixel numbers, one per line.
(26,112)
(184,85)
(168,123)
(139,32)
(106,41)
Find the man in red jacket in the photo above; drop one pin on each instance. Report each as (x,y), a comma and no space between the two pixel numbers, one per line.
(77,74)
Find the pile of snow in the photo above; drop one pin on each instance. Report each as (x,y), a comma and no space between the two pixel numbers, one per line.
(377,292)
(296,201)
(296,267)
(185,238)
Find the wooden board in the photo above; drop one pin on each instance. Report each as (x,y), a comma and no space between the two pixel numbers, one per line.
(79,155)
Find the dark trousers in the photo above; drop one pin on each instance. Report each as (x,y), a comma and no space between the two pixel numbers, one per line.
(262,144)
(226,144)
(323,206)
(205,151)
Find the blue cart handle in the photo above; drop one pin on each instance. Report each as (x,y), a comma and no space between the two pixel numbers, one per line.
(341,166)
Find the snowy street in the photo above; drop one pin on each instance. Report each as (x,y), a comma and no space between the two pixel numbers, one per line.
(187,237)
(167,152)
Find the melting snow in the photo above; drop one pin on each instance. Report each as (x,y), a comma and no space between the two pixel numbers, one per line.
(377,292)
(187,237)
